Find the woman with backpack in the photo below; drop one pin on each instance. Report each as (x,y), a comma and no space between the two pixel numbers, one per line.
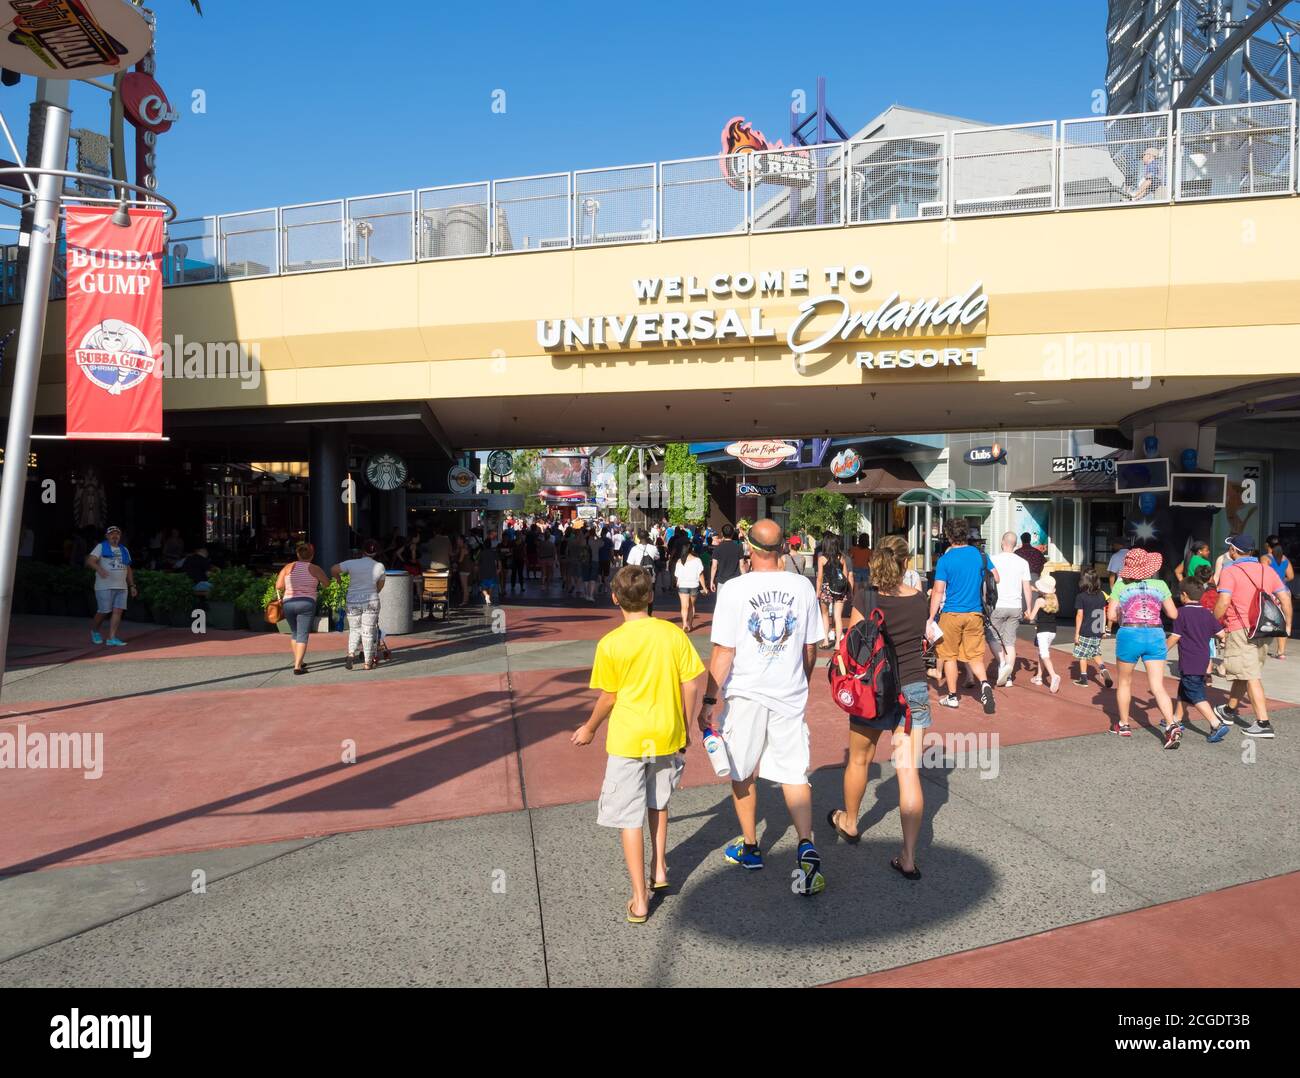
(834,576)
(1281,564)
(905,611)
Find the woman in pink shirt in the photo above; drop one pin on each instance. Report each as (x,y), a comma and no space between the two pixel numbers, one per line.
(297,585)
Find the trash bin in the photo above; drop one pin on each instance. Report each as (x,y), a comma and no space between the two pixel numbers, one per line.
(395,603)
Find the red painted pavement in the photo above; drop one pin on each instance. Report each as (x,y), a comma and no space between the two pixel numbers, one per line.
(1137,949)
(203,770)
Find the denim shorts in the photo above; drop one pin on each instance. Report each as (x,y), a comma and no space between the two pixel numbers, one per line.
(1191,688)
(109,599)
(917,694)
(1134,642)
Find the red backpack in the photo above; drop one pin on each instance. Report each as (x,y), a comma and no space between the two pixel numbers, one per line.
(863,672)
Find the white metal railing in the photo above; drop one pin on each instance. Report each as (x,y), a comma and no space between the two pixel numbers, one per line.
(1215,152)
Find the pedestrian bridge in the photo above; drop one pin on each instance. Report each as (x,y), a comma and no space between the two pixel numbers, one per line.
(1098,272)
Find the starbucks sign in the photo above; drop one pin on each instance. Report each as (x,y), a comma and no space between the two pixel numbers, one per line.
(500,462)
(385,471)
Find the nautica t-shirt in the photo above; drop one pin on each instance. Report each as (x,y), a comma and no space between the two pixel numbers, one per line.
(768,618)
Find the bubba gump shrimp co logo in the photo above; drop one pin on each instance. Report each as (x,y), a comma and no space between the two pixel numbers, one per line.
(115,356)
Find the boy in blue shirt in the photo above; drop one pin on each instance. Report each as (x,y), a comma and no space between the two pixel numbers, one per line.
(1194,630)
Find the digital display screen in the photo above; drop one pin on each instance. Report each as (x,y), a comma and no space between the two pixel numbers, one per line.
(1198,490)
(1137,476)
(566,471)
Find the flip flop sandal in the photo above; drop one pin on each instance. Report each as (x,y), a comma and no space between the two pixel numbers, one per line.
(851,839)
(897,866)
(660,886)
(632,918)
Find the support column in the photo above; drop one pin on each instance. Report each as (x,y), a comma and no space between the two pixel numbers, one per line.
(327,512)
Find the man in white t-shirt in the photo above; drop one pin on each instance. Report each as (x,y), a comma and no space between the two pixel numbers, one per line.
(1014,598)
(114,578)
(766,628)
(365,582)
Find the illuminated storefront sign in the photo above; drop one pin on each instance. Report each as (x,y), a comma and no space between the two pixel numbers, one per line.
(894,317)
(761,454)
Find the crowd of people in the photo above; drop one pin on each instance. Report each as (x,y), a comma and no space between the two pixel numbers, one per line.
(770,619)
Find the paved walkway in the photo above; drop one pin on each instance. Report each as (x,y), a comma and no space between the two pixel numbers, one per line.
(230,840)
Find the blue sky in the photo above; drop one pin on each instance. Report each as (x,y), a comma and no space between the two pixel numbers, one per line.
(309,101)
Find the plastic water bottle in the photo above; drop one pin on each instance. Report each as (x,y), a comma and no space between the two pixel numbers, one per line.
(717,751)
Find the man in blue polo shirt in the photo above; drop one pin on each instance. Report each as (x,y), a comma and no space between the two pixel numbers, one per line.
(959,594)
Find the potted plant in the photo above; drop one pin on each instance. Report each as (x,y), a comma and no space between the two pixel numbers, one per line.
(227,586)
(170,598)
(250,605)
(331,605)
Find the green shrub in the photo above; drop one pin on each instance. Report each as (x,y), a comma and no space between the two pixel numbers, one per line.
(333,597)
(251,600)
(229,583)
(268,593)
(165,592)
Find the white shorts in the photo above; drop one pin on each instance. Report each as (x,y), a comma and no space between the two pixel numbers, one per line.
(1045,642)
(758,738)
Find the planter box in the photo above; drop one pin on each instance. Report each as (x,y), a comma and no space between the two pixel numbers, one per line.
(136,611)
(321,624)
(283,626)
(221,615)
(181,619)
(255,621)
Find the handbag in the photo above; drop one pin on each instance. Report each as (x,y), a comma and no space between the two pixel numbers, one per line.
(275,611)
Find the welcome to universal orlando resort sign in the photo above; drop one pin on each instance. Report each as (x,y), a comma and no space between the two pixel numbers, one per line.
(895,316)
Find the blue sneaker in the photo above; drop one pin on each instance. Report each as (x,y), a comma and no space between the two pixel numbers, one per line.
(808,879)
(1220,733)
(114,642)
(95,638)
(744,856)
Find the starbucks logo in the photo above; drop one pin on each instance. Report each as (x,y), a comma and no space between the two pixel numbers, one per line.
(386,471)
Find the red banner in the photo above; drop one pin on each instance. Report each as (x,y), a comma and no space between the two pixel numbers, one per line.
(114,324)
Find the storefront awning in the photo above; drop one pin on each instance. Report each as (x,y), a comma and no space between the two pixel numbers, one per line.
(1079,485)
(883,479)
(953,496)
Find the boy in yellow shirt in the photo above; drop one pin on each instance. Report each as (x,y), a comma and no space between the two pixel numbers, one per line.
(650,679)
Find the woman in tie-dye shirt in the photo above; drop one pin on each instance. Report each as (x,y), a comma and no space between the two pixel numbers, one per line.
(1137,603)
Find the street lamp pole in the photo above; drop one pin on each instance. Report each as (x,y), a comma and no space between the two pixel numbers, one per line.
(31,335)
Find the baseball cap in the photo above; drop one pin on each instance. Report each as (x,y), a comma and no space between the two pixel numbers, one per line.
(113,528)
(1242,541)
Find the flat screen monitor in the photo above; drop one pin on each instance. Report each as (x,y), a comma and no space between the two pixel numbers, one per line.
(1197,490)
(1140,476)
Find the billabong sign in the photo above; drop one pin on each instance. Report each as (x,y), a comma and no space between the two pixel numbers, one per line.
(985,454)
(1070,465)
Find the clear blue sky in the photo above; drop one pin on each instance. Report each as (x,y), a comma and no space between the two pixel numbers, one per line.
(309,101)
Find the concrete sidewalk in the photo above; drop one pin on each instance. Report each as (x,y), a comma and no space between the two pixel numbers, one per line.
(227,844)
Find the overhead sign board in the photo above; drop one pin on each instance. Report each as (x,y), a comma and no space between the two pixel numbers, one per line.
(71,39)
(985,454)
(761,454)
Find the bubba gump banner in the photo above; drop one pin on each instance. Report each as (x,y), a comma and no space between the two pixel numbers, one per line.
(114,324)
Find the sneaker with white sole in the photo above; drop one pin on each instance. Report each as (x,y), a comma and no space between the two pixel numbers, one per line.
(1259,729)
(986,698)
(1226,714)
(949,700)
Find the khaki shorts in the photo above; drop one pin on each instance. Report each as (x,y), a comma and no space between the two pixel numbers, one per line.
(963,637)
(633,784)
(1243,660)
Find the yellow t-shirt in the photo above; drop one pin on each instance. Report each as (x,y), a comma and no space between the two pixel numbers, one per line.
(644,662)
